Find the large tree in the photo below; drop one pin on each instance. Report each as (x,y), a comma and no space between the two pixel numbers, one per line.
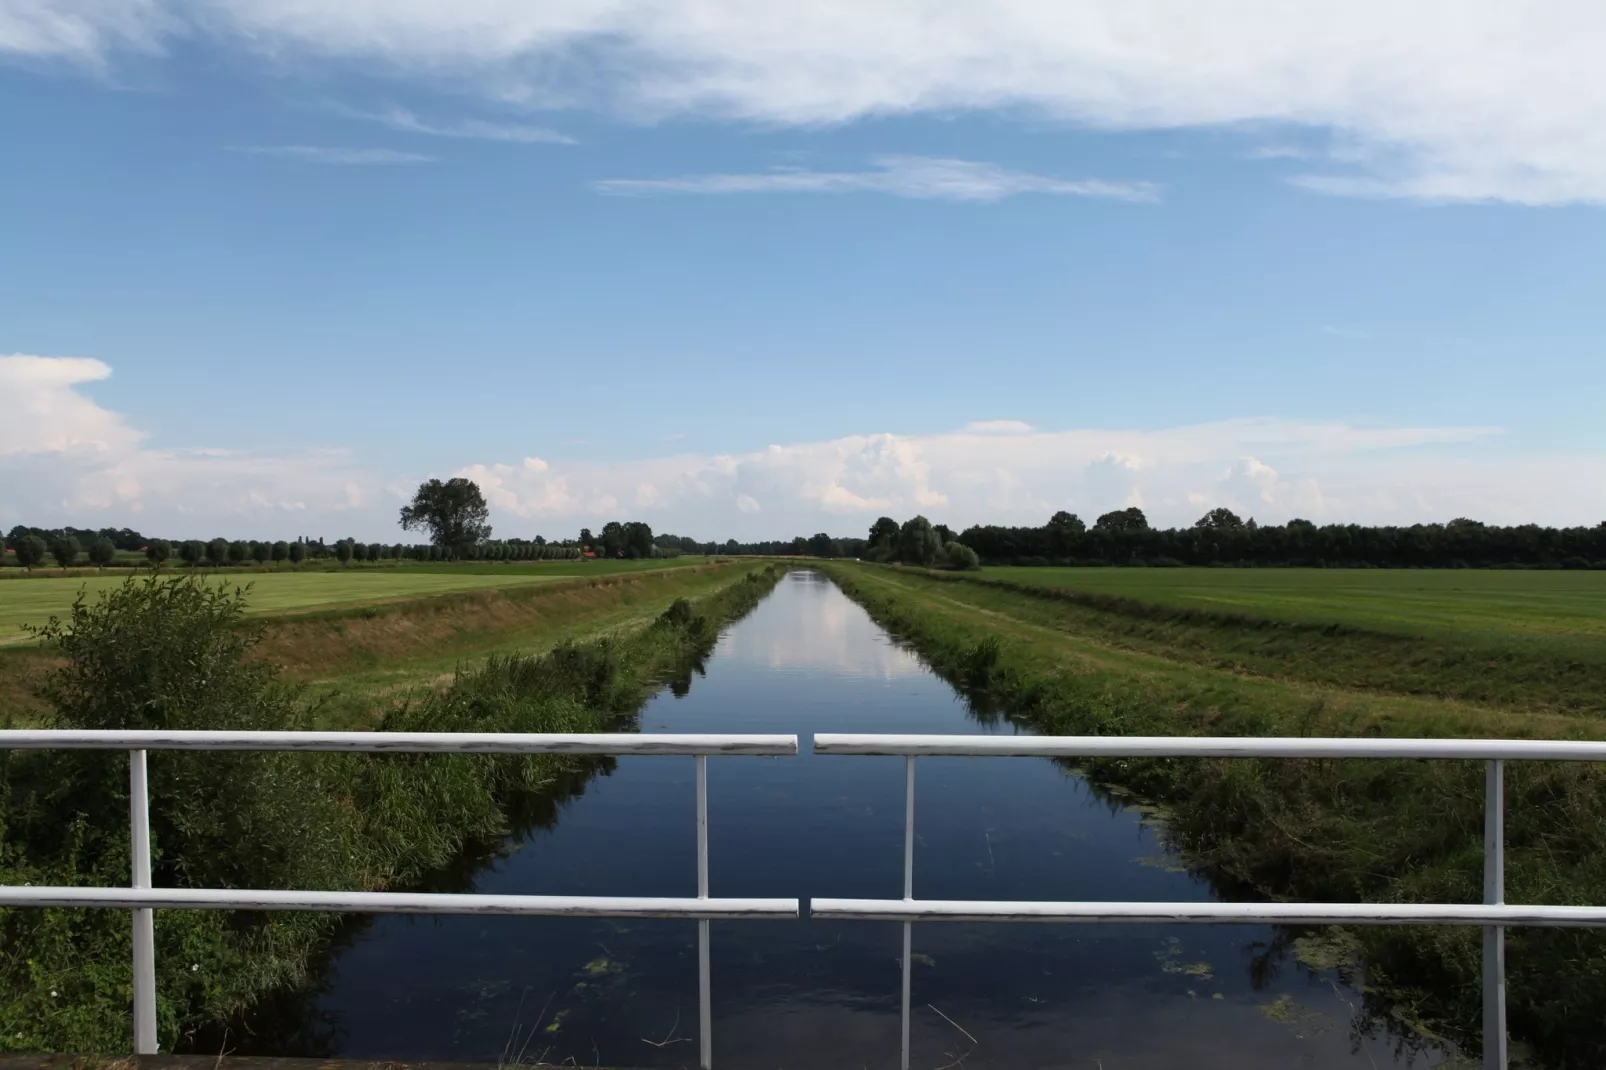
(454,513)
(917,542)
(102,551)
(31,550)
(65,550)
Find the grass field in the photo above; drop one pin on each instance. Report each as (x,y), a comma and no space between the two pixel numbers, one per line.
(34,600)
(360,640)
(1256,652)
(1471,602)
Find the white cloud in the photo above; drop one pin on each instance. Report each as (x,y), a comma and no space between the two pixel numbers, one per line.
(478,129)
(1475,100)
(66,459)
(999,427)
(331,155)
(920,177)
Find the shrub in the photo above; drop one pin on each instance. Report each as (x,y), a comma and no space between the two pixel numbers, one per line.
(957,555)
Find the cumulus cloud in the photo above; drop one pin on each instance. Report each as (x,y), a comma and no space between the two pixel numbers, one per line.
(1479,100)
(917,177)
(1269,469)
(64,458)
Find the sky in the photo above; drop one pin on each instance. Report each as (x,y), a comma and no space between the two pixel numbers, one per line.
(753,270)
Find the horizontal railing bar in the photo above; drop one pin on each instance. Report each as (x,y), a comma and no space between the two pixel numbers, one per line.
(599,743)
(1206,747)
(585,906)
(1208,913)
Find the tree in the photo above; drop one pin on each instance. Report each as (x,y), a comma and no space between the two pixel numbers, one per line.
(31,550)
(192,552)
(359,550)
(1130,519)
(65,550)
(239,551)
(217,551)
(279,551)
(454,513)
(1219,520)
(102,551)
(157,551)
(375,551)
(611,540)
(822,545)
(638,539)
(917,542)
(343,551)
(884,532)
(261,551)
(297,552)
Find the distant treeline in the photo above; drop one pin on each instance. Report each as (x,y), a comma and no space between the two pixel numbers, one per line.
(1220,537)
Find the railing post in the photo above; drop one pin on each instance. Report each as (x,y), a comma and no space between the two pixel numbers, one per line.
(908,887)
(139,819)
(705,1008)
(1494,936)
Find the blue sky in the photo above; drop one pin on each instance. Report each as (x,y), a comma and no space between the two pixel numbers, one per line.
(739,271)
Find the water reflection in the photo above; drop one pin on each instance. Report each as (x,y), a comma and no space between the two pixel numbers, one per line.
(814,994)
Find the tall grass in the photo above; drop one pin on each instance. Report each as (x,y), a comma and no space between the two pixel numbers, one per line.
(1317,830)
(174,653)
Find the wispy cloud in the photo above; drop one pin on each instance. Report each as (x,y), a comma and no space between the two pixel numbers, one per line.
(478,129)
(919,177)
(1279,152)
(332,155)
(1354,334)
(1502,101)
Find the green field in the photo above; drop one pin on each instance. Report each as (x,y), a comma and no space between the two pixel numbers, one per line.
(35,599)
(1255,652)
(1471,602)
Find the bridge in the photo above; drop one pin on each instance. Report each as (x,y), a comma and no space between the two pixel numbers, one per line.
(1493,915)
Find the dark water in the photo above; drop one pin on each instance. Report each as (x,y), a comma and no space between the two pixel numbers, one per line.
(802,994)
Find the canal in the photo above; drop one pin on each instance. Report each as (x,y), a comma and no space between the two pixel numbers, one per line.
(809,994)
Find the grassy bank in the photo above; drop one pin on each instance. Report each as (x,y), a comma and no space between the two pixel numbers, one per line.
(1314,830)
(355,658)
(184,659)
(279,589)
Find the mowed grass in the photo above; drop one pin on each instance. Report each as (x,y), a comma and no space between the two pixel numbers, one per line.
(1490,603)
(34,601)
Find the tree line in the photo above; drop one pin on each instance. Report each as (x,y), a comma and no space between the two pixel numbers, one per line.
(1221,537)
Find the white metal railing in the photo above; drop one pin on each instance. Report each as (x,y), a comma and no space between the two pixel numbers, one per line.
(1493,914)
(141,898)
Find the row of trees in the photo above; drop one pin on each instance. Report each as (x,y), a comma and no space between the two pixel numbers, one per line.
(1221,537)
(31,550)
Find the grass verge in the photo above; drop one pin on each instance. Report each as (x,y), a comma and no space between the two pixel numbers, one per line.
(277,820)
(1313,830)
